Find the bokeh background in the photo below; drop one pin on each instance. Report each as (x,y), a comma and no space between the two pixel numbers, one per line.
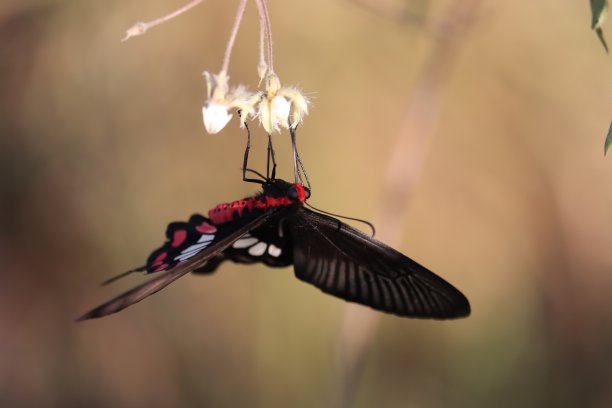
(471,134)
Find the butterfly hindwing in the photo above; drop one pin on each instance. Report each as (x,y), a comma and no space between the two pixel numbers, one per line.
(344,262)
(224,236)
(184,240)
(266,244)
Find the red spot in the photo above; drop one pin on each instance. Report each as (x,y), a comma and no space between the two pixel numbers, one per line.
(179,237)
(225,212)
(301,193)
(161,267)
(160,258)
(206,228)
(275,202)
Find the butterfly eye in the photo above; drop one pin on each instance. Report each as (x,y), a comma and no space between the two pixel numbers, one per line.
(292,193)
(298,192)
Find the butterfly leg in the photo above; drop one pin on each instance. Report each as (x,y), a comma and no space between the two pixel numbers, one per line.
(246,160)
(271,156)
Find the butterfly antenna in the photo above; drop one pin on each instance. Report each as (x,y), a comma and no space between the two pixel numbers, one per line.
(305,174)
(298,166)
(122,275)
(368,223)
(296,174)
(246,161)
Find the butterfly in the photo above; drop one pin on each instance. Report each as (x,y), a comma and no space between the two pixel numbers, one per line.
(276,229)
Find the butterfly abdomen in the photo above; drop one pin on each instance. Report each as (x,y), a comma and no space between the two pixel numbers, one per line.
(227,212)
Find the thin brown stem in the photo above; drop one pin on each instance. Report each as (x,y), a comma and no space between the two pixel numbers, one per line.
(232,39)
(264,20)
(262,68)
(141,27)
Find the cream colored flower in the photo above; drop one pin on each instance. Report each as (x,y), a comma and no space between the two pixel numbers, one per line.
(299,104)
(215,117)
(220,99)
(281,107)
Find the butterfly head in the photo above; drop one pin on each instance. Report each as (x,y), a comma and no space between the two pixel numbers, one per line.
(280,188)
(298,192)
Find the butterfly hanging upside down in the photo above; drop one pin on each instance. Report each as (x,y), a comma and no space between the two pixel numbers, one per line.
(276,229)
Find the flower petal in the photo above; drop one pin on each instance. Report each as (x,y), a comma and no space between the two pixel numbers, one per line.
(215,117)
(280,108)
(265,116)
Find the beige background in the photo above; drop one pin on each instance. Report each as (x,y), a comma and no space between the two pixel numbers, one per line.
(101,145)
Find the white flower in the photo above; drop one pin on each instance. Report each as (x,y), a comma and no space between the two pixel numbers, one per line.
(245,102)
(273,113)
(299,104)
(277,107)
(281,107)
(215,117)
(280,110)
(220,99)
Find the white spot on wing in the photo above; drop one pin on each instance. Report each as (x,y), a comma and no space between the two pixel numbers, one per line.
(274,250)
(206,238)
(258,250)
(191,251)
(182,257)
(244,242)
(195,247)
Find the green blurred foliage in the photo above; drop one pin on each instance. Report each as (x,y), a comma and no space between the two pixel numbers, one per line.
(101,144)
(599,12)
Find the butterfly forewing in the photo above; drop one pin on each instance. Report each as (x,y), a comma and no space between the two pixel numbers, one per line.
(223,238)
(344,262)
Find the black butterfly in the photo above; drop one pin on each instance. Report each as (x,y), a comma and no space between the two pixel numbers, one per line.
(276,229)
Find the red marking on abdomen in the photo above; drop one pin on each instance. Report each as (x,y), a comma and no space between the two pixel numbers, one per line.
(179,237)
(226,212)
(206,228)
(276,202)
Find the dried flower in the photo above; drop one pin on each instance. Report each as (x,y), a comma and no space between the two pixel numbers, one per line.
(281,106)
(215,117)
(220,99)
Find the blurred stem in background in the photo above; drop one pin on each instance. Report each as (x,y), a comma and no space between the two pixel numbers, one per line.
(411,148)
(578,351)
(141,27)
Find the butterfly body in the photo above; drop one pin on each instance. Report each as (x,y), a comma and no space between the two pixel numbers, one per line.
(274,228)
(275,194)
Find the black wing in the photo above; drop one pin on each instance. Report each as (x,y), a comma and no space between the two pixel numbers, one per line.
(266,244)
(344,262)
(183,261)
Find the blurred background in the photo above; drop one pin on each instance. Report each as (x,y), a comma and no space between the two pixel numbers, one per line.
(471,134)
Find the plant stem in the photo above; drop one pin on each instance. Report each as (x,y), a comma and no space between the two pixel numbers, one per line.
(232,39)
(262,67)
(141,28)
(264,20)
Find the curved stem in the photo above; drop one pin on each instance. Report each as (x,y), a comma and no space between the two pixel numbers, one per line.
(264,20)
(140,28)
(232,39)
(262,67)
